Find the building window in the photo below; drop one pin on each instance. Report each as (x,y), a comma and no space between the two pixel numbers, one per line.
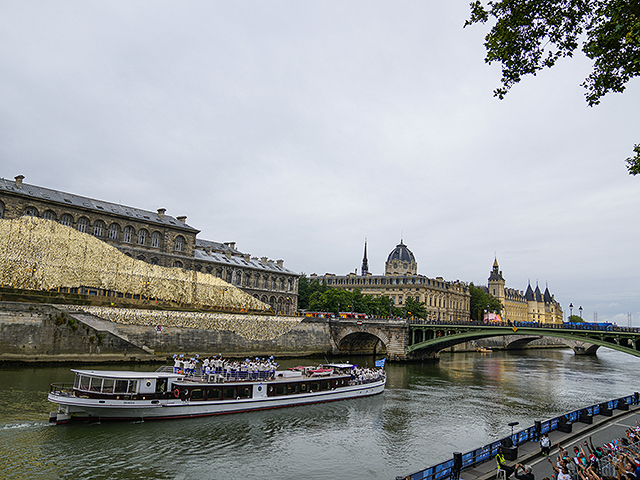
(1,209)
(98,229)
(155,239)
(179,243)
(177,264)
(127,234)
(31,211)
(49,215)
(114,231)
(154,261)
(82,225)
(66,219)
(142,236)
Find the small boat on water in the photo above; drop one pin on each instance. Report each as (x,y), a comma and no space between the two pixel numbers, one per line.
(484,350)
(171,393)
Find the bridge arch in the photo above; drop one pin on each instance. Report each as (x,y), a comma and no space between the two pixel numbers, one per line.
(362,341)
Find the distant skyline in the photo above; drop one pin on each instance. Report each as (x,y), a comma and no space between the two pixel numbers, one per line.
(297,129)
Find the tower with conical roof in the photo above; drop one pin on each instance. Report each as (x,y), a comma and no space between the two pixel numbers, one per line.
(496,282)
(364,271)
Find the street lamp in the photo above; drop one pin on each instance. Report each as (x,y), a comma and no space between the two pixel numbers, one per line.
(580,311)
(571,310)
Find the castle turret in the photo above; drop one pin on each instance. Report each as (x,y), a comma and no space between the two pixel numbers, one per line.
(496,283)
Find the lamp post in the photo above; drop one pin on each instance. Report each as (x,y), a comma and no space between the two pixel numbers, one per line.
(580,311)
(570,310)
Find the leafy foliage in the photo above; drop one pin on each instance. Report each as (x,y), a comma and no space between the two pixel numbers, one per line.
(530,35)
(324,299)
(481,302)
(575,319)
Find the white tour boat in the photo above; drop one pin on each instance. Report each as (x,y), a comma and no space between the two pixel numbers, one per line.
(163,394)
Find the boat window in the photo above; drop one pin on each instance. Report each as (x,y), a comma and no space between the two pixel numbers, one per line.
(161,385)
(107,385)
(314,386)
(324,385)
(121,386)
(214,394)
(281,388)
(133,386)
(84,382)
(197,394)
(229,392)
(245,392)
(96,384)
(292,388)
(304,387)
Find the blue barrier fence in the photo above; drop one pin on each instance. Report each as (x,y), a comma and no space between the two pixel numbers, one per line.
(448,469)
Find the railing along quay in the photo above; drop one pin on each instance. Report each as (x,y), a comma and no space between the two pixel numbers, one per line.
(451,469)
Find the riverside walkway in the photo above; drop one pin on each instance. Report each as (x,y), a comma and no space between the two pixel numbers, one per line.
(603,429)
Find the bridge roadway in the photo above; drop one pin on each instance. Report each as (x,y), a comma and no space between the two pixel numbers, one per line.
(602,430)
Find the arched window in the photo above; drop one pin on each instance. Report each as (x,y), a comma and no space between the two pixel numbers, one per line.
(31,211)
(114,231)
(49,215)
(256,282)
(82,225)
(155,239)
(142,236)
(179,243)
(66,219)
(177,264)
(98,229)
(127,234)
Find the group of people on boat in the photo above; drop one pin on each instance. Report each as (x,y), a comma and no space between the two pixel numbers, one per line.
(257,369)
(360,375)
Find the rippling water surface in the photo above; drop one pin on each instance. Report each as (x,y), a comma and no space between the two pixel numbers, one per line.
(427,412)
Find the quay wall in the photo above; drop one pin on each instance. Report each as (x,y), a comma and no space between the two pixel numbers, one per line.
(44,333)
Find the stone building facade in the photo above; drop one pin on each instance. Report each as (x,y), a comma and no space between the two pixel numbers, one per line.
(444,300)
(156,238)
(530,306)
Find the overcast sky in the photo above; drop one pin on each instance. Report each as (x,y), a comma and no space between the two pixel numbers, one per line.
(298,129)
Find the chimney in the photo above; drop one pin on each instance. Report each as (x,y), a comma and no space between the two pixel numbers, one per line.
(161,212)
(247,256)
(182,219)
(263,260)
(19,181)
(280,263)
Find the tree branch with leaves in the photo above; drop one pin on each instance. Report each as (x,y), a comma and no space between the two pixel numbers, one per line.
(530,35)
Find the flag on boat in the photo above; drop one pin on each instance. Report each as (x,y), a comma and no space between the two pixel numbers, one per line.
(380,363)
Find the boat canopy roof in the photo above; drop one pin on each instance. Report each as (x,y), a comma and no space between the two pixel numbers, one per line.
(337,365)
(125,374)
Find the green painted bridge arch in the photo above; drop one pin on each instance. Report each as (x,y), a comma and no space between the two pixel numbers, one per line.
(431,338)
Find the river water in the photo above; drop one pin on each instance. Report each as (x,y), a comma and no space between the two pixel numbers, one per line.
(427,412)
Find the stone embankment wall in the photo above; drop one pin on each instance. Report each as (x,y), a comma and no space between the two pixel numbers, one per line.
(43,333)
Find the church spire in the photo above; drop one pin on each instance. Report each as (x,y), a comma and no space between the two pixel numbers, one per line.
(364,271)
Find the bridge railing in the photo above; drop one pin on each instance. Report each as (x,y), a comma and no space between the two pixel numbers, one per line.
(608,327)
(451,468)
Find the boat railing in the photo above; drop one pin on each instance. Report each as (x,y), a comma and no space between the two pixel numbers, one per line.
(63,389)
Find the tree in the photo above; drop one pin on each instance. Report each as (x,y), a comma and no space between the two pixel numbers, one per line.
(415,308)
(575,319)
(481,301)
(306,288)
(530,35)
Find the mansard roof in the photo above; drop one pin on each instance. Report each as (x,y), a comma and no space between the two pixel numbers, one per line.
(241,261)
(99,206)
